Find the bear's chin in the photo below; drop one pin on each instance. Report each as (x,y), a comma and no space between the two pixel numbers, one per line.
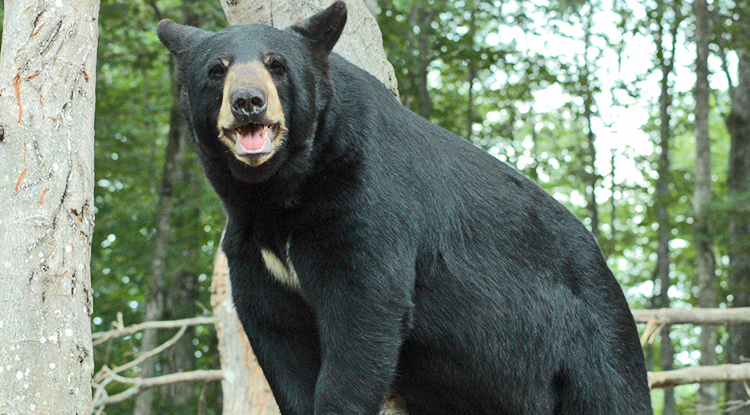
(252,174)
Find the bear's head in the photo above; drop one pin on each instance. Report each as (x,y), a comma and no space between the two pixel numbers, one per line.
(252,93)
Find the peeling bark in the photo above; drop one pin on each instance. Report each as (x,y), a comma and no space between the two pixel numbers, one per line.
(47,96)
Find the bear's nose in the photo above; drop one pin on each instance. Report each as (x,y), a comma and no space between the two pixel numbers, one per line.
(248,101)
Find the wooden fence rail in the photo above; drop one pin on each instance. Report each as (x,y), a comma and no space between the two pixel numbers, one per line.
(699,316)
(699,374)
(654,318)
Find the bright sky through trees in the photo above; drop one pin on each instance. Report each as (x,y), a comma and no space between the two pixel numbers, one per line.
(620,128)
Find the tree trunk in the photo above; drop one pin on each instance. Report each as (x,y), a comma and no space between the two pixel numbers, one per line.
(471,77)
(738,185)
(245,389)
(180,301)
(181,297)
(470,102)
(706,267)
(534,168)
(664,235)
(588,111)
(422,90)
(664,232)
(158,301)
(48,73)
(154,305)
(666,58)
(418,100)
(612,204)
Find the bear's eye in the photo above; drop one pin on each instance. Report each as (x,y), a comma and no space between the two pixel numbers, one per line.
(217,71)
(275,66)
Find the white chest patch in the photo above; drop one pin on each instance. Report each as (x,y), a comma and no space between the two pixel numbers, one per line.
(284,272)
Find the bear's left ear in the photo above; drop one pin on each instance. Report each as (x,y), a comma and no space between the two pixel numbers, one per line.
(179,38)
(324,28)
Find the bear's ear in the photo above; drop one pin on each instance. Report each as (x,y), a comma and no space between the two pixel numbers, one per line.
(324,28)
(179,38)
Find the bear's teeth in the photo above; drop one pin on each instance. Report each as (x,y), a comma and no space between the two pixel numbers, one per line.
(251,128)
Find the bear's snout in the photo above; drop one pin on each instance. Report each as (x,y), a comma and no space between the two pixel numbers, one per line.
(251,118)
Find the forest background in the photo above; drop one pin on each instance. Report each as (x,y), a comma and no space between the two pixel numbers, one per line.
(595,100)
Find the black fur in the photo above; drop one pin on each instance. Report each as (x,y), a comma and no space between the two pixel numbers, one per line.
(427,268)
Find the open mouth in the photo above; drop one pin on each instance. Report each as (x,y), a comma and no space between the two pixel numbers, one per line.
(253,139)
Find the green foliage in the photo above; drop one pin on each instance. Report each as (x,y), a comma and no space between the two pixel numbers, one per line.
(454,46)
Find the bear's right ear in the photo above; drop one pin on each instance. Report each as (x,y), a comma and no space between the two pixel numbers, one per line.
(179,38)
(324,28)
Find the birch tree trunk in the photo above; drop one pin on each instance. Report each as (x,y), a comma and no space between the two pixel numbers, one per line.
(47,95)
(706,266)
(245,390)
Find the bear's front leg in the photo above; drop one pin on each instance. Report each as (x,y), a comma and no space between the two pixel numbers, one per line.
(281,328)
(363,304)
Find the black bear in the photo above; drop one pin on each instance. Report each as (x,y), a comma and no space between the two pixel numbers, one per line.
(372,253)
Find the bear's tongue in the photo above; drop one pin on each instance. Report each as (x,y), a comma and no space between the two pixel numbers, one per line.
(253,139)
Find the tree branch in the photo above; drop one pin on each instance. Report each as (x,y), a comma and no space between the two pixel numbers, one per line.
(151,352)
(699,374)
(141,384)
(126,331)
(700,316)
(106,375)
